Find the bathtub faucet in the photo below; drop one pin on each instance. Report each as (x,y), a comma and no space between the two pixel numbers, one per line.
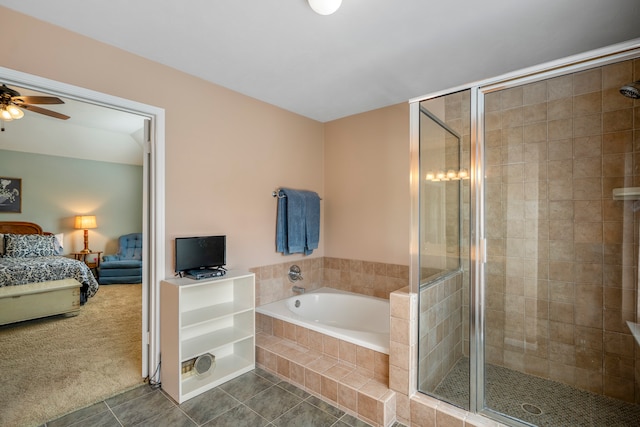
(298,289)
(295,273)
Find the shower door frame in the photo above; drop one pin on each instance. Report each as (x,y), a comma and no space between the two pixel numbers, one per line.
(477,240)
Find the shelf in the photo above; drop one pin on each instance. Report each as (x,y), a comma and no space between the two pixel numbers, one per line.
(207,314)
(208,343)
(226,368)
(626,193)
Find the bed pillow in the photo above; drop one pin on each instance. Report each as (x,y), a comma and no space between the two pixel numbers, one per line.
(29,245)
(59,243)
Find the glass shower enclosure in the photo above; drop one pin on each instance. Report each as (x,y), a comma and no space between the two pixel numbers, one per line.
(525,246)
(443,200)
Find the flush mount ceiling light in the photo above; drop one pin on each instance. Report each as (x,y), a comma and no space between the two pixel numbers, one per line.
(325,7)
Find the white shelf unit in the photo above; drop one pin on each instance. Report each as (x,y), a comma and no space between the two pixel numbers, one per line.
(214,316)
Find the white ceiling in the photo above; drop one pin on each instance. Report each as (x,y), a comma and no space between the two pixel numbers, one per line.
(91,133)
(369,54)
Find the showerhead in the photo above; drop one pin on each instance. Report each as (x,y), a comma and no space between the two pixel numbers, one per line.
(631,90)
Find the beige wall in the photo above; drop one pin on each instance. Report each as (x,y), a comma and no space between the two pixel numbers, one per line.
(367,186)
(225,152)
(55,189)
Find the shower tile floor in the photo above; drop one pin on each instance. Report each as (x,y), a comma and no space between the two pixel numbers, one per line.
(510,392)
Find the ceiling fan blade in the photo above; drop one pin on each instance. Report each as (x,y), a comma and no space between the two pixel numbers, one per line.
(44,111)
(36,100)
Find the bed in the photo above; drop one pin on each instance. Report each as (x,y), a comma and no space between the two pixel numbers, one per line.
(34,280)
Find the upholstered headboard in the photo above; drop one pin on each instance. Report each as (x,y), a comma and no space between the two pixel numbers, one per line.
(20,227)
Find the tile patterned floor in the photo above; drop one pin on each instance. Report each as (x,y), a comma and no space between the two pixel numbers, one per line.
(510,392)
(254,399)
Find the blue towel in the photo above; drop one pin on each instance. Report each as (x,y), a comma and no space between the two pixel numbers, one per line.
(298,221)
(281,226)
(312,221)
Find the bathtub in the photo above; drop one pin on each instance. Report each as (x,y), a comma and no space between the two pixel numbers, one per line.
(356,318)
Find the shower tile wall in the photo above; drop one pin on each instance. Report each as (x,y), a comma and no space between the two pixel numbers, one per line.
(440,330)
(562,269)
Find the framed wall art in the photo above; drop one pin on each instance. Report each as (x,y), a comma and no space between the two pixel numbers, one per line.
(10,195)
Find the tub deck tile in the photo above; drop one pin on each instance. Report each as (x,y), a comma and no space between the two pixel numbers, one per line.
(374,389)
(322,364)
(355,380)
(339,371)
(266,341)
(352,377)
(307,357)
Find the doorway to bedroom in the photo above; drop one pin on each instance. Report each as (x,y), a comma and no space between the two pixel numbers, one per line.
(129,309)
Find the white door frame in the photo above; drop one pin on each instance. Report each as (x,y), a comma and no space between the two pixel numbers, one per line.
(153,221)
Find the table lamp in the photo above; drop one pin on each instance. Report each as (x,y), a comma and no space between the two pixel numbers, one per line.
(85,222)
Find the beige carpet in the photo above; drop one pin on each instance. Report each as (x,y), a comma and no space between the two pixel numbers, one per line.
(52,366)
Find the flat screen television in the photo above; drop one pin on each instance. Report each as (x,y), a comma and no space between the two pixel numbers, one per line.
(193,253)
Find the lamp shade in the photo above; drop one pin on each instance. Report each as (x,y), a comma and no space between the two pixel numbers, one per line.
(86,221)
(325,7)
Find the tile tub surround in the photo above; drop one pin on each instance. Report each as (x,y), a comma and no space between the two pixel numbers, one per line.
(272,281)
(362,277)
(351,377)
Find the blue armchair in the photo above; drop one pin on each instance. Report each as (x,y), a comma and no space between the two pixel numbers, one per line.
(126,265)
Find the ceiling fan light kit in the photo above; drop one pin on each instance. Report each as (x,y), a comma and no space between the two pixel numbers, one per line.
(325,7)
(10,112)
(15,112)
(11,105)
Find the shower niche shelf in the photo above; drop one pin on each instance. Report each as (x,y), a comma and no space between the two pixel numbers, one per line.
(626,193)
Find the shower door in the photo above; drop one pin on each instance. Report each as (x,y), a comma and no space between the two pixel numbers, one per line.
(443,250)
(560,279)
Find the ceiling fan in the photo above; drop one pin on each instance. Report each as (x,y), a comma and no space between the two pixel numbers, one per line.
(12,103)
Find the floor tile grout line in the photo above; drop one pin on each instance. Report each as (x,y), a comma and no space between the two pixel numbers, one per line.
(188,417)
(240,403)
(300,403)
(330,404)
(45,424)
(249,408)
(114,415)
(313,400)
(136,398)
